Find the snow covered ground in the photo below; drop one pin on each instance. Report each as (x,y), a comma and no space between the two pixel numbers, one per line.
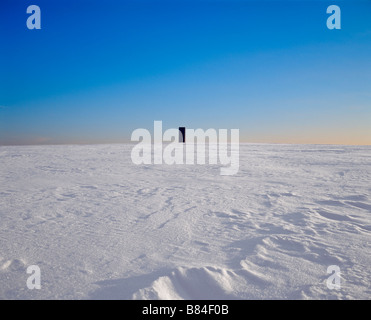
(100,227)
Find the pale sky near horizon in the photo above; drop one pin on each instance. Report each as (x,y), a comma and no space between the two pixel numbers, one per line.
(97,70)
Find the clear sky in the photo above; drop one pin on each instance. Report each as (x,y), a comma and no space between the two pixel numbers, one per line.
(97,70)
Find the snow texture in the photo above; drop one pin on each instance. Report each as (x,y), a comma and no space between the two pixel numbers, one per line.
(100,227)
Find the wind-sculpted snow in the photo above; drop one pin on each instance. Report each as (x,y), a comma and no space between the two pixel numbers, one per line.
(100,227)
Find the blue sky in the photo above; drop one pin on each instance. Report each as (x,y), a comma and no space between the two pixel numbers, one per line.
(97,70)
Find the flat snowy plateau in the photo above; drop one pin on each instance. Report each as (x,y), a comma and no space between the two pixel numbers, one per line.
(100,227)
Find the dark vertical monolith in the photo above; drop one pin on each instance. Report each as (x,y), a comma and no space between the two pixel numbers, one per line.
(182,134)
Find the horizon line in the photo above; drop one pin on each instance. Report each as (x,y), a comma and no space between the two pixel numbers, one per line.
(168,142)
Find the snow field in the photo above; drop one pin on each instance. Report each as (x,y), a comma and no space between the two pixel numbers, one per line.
(100,227)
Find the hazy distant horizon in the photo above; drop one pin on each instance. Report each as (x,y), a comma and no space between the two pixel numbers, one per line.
(133,143)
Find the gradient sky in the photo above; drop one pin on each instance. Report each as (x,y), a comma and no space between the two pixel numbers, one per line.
(97,70)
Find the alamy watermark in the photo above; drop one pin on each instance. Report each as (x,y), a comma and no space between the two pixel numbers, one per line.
(34,280)
(34,20)
(332,22)
(176,152)
(333,281)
